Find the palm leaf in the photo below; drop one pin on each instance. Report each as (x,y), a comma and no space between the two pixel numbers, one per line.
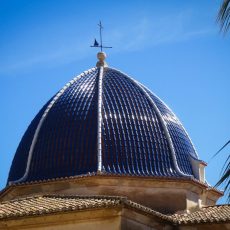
(223,17)
(227,143)
(225,177)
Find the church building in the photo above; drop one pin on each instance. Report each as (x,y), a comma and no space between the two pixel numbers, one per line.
(107,153)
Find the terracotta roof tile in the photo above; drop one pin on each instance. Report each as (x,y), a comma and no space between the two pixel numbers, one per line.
(210,214)
(48,204)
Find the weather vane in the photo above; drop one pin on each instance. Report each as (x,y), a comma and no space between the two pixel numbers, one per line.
(96,44)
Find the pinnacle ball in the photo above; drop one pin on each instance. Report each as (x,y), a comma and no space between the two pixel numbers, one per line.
(101,56)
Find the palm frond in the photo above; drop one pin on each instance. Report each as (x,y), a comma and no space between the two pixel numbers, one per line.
(227,143)
(225,177)
(223,17)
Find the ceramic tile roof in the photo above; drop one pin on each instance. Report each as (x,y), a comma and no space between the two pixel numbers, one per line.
(126,130)
(210,214)
(39,205)
(48,204)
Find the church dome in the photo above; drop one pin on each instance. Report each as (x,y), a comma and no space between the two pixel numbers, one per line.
(104,122)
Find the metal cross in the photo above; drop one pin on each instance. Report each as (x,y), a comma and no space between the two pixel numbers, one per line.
(96,44)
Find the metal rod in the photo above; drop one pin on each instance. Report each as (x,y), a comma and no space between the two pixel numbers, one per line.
(100,35)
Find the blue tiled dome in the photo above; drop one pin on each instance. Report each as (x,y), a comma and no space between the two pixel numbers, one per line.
(103,121)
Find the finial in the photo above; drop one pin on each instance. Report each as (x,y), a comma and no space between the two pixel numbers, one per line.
(101,55)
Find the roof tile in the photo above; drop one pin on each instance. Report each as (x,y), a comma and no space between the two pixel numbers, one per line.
(213,214)
(48,204)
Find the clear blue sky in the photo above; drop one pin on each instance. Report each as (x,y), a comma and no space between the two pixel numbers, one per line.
(172,47)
